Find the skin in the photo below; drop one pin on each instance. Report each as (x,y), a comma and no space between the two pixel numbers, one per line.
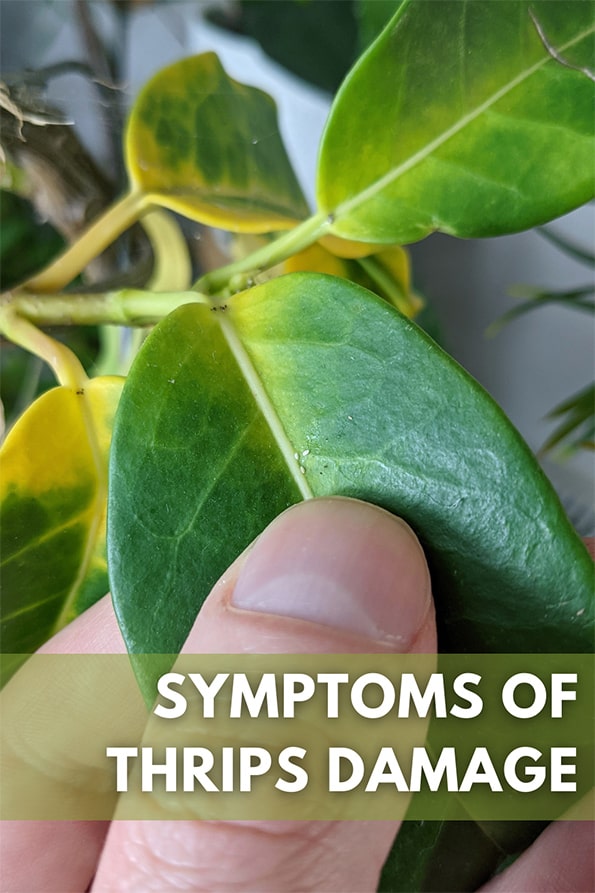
(376,584)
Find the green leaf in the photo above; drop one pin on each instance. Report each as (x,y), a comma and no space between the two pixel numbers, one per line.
(309,386)
(209,148)
(53,501)
(568,247)
(387,273)
(577,425)
(478,125)
(574,298)
(315,40)
(372,16)
(25,243)
(453,854)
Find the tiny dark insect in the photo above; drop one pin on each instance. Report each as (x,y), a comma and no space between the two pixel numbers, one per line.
(80,391)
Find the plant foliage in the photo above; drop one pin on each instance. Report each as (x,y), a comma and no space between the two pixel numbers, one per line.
(256,390)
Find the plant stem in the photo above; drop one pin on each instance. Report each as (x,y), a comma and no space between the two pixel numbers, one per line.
(63,362)
(172,272)
(237,275)
(110,349)
(92,242)
(172,265)
(127,307)
(393,291)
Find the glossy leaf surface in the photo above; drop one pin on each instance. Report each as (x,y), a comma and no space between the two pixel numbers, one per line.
(53,498)
(209,148)
(310,386)
(481,124)
(195,476)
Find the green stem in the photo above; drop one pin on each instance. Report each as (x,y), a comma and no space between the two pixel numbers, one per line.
(92,242)
(237,275)
(138,335)
(379,275)
(110,349)
(126,307)
(172,272)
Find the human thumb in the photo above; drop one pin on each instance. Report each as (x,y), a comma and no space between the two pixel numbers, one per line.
(327,576)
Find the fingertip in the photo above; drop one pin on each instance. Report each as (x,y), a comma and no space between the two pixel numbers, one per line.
(330,574)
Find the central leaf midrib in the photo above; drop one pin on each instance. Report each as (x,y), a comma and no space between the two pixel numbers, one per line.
(265,404)
(391,176)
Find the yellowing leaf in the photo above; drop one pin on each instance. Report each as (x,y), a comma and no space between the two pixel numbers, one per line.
(317,259)
(386,272)
(208,147)
(53,500)
(349,248)
(396,261)
(389,272)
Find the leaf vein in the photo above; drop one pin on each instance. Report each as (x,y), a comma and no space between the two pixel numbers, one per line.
(46,537)
(391,176)
(265,405)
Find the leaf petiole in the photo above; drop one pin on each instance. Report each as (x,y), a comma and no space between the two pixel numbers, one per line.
(238,275)
(102,232)
(20,316)
(63,362)
(382,278)
(125,307)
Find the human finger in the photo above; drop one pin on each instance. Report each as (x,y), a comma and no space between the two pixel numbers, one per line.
(335,576)
(561,860)
(54,856)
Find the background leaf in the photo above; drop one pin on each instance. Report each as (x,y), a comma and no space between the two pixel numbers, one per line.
(577,425)
(315,40)
(208,147)
(488,134)
(452,854)
(372,16)
(309,385)
(53,499)
(25,242)
(387,273)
